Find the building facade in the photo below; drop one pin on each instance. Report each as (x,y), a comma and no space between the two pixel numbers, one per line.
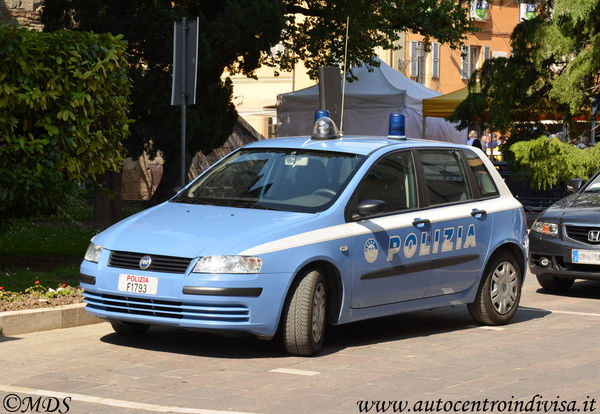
(446,70)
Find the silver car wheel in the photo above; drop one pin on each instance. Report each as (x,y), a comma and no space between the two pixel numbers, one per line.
(318,312)
(504,287)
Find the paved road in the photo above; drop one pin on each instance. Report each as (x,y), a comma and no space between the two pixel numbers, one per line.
(552,349)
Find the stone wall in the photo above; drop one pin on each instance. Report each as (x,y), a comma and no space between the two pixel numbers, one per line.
(26,12)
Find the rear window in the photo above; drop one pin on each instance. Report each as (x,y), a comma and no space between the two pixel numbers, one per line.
(482,175)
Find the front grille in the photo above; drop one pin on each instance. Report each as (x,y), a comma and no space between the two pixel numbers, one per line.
(166,264)
(580,233)
(166,309)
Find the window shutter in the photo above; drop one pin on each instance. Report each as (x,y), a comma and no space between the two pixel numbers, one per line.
(487,53)
(414,56)
(435,60)
(465,62)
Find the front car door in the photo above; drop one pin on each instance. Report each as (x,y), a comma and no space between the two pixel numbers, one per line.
(389,265)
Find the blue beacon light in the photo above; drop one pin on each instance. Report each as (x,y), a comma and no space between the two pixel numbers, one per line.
(324,127)
(320,113)
(397,126)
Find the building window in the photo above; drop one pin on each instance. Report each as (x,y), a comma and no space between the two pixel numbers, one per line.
(435,60)
(468,61)
(465,62)
(487,53)
(416,61)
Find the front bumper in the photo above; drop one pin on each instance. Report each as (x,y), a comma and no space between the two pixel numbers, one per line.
(242,303)
(558,252)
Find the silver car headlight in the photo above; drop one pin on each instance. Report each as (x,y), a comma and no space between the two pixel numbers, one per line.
(549,229)
(228,264)
(93,252)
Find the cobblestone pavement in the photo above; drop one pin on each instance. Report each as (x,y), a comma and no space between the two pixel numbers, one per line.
(552,348)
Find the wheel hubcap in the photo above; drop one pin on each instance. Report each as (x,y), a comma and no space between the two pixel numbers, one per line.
(318,312)
(504,287)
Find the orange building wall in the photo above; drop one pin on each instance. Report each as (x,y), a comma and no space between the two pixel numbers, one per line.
(495,33)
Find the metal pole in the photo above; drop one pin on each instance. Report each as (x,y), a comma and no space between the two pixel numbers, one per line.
(344,77)
(595,104)
(184,29)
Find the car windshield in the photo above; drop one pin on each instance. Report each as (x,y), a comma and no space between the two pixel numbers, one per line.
(594,186)
(278,179)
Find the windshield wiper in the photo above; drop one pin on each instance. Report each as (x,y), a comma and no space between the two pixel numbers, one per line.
(190,200)
(250,204)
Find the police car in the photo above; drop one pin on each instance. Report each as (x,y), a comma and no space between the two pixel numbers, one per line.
(293,234)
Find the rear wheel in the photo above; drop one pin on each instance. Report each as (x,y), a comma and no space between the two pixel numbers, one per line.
(304,316)
(499,293)
(129,328)
(553,283)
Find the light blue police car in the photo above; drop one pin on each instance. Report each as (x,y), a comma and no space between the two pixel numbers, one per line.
(297,233)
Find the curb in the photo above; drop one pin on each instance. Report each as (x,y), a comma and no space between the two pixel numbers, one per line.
(43,319)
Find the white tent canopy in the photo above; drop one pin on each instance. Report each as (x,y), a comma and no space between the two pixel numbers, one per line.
(368,103)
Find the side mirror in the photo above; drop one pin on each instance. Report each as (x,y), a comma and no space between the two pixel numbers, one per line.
(369,208)
(575,184)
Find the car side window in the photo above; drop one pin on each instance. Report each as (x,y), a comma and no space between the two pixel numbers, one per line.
(392,180)
(445,176)
(487,188)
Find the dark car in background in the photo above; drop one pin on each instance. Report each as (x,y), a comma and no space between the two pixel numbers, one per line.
(564,241)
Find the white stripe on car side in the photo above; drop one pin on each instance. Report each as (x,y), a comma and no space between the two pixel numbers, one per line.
(403,220)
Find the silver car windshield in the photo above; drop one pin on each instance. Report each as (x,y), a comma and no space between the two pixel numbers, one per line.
(278,179)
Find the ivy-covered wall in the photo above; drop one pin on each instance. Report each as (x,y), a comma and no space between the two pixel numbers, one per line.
(64,102)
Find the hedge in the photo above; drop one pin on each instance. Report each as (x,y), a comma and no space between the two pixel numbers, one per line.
(552,161)
(64,102)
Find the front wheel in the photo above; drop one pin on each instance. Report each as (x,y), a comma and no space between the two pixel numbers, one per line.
(304,316)
(499,292)
(553,283)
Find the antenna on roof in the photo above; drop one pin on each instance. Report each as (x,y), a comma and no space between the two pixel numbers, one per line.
(344,84)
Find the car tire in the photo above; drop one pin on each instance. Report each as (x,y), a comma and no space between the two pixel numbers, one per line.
(553,283)
(499,292)
(129,328)
(304,316)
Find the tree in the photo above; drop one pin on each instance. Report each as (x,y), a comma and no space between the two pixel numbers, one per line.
(319,38)
(237,35)
(63,114)
(557,59)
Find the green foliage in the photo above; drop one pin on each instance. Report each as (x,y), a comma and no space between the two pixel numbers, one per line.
(557,59)
(233,33)
(553,162)
(319,38)
(63,114)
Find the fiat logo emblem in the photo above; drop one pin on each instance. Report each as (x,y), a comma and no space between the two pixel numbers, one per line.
(145,262)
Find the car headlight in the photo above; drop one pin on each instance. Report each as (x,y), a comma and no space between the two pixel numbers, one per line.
(93,253)
(549,229)
(228,264)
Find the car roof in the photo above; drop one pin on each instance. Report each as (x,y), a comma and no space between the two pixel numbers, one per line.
(363,145)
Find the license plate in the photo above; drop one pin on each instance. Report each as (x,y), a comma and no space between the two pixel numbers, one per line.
(138,284)
(585,256)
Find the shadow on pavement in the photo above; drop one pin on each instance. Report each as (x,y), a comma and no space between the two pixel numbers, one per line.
(373,331)
(583,289)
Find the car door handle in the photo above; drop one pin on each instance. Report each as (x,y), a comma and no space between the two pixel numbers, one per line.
(418,222)
(478,213)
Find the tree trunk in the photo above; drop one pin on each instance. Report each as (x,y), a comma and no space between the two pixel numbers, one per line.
(107,200)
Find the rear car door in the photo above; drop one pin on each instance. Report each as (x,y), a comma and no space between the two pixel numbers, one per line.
(461,228)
